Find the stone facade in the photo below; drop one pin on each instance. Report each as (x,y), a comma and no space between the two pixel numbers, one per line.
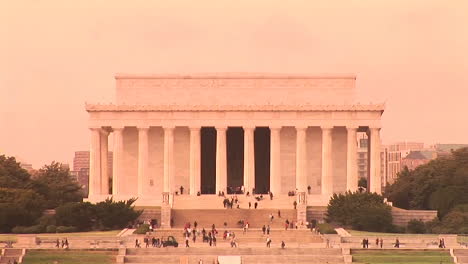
(157,126)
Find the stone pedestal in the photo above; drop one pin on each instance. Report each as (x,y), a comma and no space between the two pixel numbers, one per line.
(301,209)
(165,211)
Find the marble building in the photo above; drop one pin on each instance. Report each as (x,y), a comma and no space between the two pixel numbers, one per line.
(222,132)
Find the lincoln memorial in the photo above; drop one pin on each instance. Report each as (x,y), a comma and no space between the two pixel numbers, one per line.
(212,133)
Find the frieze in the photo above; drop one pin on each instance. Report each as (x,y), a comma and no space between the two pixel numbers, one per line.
(197,108)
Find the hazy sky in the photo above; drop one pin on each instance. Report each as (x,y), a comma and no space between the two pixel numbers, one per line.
(55,55)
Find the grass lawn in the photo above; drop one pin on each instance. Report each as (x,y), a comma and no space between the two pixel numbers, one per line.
(7,237)
(82,234)
(401,256)
(69,256)
(462,239)
(365,233)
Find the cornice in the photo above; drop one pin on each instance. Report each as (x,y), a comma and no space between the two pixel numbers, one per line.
(234,76)
(235,108)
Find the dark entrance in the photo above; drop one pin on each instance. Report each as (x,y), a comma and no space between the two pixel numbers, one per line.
(208,160)
(262,159)
(235,159)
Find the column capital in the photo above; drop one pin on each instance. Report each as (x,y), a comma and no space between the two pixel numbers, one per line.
(104,132)
(301,127)
(352,127)
(95,128)
(221,128)
(249,127)
(118,128)
(326,127)
(170,127)
(143,128)
(194,128)
(375,128)
(275,127)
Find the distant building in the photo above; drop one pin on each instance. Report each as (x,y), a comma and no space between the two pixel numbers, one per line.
(444,150)
(81,168)
(363,158)
(414,159)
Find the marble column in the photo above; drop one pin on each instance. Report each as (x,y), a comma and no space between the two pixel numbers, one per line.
(375,177)
(95,163)
(221,155)
(301,176)
(104,162)
(327,166)
(117,162)
(351,160)
(275,165)
(143,149)
(195,159)
(168,159)
(249,159)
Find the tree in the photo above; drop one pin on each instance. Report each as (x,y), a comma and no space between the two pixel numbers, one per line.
(12,175)
(438,185)
(55,183)
(361,211)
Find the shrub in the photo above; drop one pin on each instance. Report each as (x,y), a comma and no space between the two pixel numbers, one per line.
(415,226)
(361,211)
(115,215)
(35,229)
(51,229)
(18,230)
(142,229)
(80,215)
(66,229)
(326,228)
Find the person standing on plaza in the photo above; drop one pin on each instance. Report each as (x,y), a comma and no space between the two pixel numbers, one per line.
(268,242)
(279,214)
(264,229)
(268,230)
(181,190)
(250,204)
(295,205)
(255,205)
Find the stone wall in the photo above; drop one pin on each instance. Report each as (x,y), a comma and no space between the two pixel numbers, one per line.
(401,217)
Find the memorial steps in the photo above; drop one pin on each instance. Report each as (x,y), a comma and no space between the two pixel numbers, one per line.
(248,255)
(461,255)
(252,238)
(207,217)
(211,201)
(9,255)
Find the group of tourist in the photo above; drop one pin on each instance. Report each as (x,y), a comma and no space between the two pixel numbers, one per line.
(153,242)
(62,244)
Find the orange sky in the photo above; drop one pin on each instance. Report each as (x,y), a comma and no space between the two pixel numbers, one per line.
(55,55)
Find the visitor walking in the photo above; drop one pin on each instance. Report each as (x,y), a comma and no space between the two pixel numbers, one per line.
(279,214)
(268,242)
(295,205)
(250,205)
(268,230)
(397,243)
(283,245)
(255,205)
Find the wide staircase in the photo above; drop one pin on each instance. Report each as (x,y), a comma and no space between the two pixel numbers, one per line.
(9,255)
(212,201)
(248,255)
(150,213)
(256,217)
(462,255)
(252,238)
